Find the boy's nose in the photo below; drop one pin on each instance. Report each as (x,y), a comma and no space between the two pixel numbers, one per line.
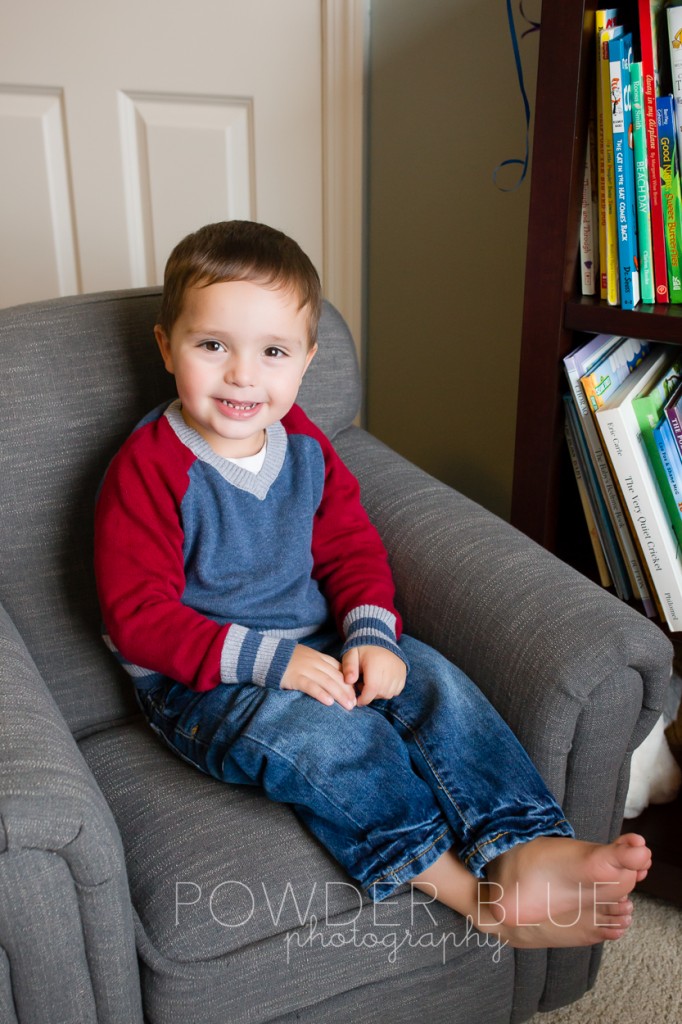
(239,372)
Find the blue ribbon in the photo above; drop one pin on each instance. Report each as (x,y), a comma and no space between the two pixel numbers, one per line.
(535,26)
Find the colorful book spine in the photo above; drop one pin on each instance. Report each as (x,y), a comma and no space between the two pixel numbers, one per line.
(646,258)
(670,193)
(648,11)
(673,412)
(608,257)
(607,375)
(604,19)
(623,441)
(580,364)
(573,439)
(648,407)
(674,15)
(589,241)
(620,54)
(672,468)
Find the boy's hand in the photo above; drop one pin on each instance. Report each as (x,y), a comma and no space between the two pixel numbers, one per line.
(318,675)
(383,673)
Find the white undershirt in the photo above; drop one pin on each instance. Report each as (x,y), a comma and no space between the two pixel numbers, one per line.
(253,463)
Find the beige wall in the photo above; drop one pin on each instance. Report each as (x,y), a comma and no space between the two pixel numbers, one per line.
(446,248)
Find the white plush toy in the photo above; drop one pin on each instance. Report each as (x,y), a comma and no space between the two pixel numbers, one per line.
(655,776)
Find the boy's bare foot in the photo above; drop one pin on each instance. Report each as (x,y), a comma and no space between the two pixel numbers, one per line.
(554,891)
(546,893)
(585,926)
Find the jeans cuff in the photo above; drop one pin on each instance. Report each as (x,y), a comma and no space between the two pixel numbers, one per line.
(477,855)
(387,883)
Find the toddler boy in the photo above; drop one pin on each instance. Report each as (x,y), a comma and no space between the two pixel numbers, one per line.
(245,590)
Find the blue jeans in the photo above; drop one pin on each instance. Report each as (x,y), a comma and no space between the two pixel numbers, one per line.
(386,788)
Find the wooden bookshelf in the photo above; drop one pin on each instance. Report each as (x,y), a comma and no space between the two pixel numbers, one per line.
(555,313)
(556,317)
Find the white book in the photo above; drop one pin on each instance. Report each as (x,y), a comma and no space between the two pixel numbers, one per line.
(579,362)
(589,254)
(623,442)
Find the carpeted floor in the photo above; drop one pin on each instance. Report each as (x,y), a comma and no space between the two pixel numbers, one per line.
(640,980)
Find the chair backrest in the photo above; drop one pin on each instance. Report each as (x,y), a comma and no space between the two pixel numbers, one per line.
(76,375)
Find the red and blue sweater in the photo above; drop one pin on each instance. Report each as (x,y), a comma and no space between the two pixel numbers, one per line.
(208,573)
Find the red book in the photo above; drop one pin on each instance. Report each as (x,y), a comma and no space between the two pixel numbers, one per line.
(648,10)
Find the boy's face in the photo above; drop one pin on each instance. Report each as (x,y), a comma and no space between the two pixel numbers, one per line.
(238,351)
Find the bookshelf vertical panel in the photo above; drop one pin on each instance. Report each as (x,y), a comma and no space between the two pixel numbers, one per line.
(562,97)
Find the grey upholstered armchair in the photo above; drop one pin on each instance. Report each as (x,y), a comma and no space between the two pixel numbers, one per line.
(131,886)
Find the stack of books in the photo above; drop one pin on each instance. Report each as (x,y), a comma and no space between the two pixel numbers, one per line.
(631,224)
(624,433)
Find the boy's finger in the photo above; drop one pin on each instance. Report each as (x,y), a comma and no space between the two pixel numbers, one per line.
(350,665)
(369,692)
(319,693)
(336,689)
(326,694)
(345,696)
(332,662)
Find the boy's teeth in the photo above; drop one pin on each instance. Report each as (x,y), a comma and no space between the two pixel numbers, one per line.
(240,405)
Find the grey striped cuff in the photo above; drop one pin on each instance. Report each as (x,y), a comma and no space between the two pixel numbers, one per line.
(251,657)
(371,625)
(144,677)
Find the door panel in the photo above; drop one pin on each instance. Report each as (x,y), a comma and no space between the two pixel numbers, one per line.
(38,251)
(184,157)
(124,126)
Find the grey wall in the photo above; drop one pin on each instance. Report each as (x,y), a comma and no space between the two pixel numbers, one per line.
(446,248)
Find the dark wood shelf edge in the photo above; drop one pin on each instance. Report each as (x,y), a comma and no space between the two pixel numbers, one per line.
(661,826)
(654,323)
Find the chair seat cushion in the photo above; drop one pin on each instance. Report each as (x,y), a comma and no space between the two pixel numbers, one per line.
(233,896)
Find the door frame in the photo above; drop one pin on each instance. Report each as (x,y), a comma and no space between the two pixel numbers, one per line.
(345,39)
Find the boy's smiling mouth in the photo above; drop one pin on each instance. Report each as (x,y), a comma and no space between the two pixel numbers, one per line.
(237,410)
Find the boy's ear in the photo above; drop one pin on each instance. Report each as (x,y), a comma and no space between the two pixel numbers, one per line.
(309,359)
(163,342)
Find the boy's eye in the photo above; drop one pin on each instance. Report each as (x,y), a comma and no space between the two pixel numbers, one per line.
(211,346)
(274,352)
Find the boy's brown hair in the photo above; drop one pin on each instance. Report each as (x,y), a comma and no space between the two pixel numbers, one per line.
(240,250)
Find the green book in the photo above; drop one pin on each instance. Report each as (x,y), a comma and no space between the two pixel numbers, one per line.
(670,193)
(649,408)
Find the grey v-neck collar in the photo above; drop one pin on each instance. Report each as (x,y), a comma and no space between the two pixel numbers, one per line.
(258,483)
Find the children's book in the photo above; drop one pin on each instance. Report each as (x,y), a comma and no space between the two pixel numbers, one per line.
(674,17)
(589,223)
(605,19)
(670,193)
(673,413)
(649,12)
(672,466)
(646,257)
(648,406)
(620,54)
(602,379)
(615,353)
(608,257)
(625,446)
(588,498)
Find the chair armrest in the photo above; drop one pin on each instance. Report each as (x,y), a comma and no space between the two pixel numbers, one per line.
(565,663)
(66,923)
(579,676)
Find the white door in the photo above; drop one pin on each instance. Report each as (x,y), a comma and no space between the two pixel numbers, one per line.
(125,125)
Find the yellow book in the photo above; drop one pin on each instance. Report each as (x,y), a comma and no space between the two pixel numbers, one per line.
(605,19)
(608,252)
